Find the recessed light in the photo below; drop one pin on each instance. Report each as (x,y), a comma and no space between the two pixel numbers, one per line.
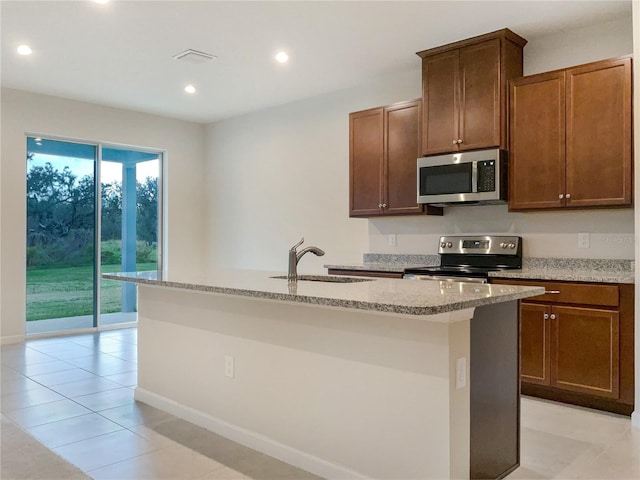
(190,89)
(24,50)
(282,57)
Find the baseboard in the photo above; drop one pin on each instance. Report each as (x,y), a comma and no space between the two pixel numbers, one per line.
(250,439)
(635,419)
(12,339)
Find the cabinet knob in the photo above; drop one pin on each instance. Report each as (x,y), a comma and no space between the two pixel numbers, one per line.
(561,196)
(379,205)
(384,205)
(546,316)
(459,140)
(553,316)
(455,141)
(568,195)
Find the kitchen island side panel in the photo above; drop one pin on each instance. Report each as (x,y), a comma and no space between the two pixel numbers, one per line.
(332,391)
(495,390)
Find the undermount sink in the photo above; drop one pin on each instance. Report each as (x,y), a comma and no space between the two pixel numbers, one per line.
(327,278)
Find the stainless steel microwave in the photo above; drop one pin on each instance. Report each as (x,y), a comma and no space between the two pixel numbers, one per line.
(471,178)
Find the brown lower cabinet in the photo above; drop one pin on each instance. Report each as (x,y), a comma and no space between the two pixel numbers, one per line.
(365,273)
(576,344)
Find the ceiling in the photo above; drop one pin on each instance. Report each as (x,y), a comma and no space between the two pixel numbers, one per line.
(120,54)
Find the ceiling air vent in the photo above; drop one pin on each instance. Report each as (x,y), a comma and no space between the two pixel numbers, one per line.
(194,56)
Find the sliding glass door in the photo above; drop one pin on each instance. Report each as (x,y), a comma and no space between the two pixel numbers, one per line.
(78,228)
(61,235)
(130,210)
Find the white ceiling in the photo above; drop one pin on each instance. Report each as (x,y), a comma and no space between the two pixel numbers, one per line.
(119,54)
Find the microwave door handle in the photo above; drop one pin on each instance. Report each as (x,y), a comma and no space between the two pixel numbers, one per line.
(474,177)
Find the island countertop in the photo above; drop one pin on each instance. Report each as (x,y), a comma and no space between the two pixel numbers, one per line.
(380,295)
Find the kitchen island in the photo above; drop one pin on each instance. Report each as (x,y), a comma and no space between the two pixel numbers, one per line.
(378,378)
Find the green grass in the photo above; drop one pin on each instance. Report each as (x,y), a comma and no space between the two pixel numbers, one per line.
(68,292)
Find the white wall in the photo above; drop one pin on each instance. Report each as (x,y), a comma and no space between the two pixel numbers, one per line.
(27,112)
(280,174)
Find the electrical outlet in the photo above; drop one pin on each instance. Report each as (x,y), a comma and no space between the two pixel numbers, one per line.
(228,366)
(392,238)
(583,240)
(461,372)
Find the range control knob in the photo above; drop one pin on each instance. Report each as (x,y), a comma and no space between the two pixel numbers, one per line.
(442,245)
(503,245)
(512,246)
(449,244)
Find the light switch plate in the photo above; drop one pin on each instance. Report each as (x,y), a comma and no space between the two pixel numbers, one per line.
(392,239)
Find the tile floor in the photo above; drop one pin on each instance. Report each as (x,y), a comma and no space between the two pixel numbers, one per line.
(74,394)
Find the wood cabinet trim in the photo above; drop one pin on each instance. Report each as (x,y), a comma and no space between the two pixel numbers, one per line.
(503,33)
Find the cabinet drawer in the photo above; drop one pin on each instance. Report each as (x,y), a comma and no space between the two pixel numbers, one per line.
(576,293)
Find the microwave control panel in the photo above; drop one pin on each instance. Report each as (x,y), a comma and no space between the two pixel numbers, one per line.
(487,176)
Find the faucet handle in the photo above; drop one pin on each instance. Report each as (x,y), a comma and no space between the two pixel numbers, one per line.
(293,249)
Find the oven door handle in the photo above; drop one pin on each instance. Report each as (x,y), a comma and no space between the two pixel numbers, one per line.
(411,276)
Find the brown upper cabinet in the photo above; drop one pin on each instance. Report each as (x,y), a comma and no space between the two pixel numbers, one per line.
(464,92)
(383,151)
(571,137)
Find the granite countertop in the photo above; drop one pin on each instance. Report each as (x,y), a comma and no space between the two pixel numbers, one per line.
(381,295)
(562,269)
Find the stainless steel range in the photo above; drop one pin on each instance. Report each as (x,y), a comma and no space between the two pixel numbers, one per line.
(471,258)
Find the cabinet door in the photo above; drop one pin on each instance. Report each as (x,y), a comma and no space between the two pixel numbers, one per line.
(534,343)
(599,134)
(479,104)
(537,152)
(401,145)
(440,96)
(365,162)
(585,350)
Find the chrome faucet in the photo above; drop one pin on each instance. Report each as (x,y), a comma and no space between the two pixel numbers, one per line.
(294,258)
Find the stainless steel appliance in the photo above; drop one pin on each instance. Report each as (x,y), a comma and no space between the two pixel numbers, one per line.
(471,258)
(471,178)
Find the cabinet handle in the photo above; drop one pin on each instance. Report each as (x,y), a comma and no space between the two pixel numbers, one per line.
(551,291)
(568,196)
(561,196)
(546,316)
(553,316)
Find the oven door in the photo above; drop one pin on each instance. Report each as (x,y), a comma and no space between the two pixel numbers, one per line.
(443,278)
